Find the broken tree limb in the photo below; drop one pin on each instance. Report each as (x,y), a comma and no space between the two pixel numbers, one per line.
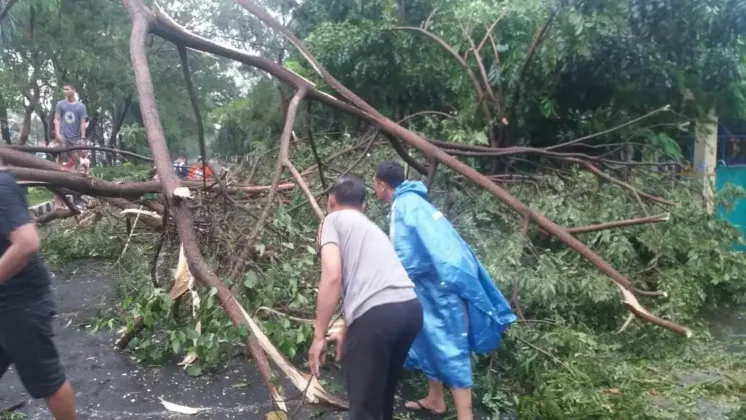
(601,174)
(611,130)
(56,214)
(158,248)
(312,389)
(181,213)
(197,114)
(98,187)
(306,191)
(17,158)
(480,66)
(312,142)
(58,150)
(237,267)
(406,157)
(622,223)
(430,150)
(363,144)
(630,301)
(82,184)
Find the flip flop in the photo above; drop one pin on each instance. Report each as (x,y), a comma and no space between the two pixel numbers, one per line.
(423,409)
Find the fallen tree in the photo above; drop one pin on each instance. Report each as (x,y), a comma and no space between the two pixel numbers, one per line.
(177,197)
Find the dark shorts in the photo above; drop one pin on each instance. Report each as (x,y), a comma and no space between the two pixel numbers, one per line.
(26,342)
(72,155)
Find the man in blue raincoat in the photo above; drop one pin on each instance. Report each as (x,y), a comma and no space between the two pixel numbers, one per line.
(463,310)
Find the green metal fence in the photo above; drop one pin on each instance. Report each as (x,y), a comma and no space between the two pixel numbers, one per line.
(735,175)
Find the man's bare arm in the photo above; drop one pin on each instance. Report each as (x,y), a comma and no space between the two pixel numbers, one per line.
(24,244)
(57,119)
(330,288)
(83,126)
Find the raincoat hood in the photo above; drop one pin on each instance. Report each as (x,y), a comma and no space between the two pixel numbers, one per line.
(416,187)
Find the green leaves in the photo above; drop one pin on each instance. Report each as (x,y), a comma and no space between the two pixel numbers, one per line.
(194,370)
(250,279)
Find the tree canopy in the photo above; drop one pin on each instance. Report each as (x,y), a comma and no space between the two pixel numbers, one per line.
(552,70)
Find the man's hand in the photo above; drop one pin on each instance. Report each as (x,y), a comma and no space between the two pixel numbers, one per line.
(338,339)
(317,356)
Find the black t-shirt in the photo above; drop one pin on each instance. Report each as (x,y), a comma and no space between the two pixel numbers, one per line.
(32,284)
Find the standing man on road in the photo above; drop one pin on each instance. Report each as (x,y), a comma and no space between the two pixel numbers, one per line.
(27,308)
(70,122)
(381,313)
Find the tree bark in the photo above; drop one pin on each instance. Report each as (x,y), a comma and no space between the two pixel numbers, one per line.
(57,150)
(98,187)
(170,183)
(705,156)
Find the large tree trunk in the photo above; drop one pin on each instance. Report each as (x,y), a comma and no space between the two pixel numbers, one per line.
(705,156)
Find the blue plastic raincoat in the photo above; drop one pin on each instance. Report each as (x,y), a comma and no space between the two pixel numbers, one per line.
(463,310)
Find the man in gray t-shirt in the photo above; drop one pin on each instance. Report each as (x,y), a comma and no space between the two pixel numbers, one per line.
(70,122)
(381,312)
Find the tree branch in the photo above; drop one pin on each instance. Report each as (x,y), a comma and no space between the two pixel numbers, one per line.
(618,224)
(6,9)
(309,125)
(540,35)
(469,73)
(238,265)
(170,183)
(197,113)
(58,150)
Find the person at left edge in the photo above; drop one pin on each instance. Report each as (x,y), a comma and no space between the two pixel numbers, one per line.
(27,308)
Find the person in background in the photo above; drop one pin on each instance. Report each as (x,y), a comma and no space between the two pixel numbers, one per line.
(26,306)
(180,167)
(84,166)
(196,173)
(381,313)
(70,121)
(464,311)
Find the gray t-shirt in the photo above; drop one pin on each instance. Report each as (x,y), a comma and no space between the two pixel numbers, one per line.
(372,274)
(71,114)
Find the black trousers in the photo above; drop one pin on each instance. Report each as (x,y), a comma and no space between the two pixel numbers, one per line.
(376,345)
